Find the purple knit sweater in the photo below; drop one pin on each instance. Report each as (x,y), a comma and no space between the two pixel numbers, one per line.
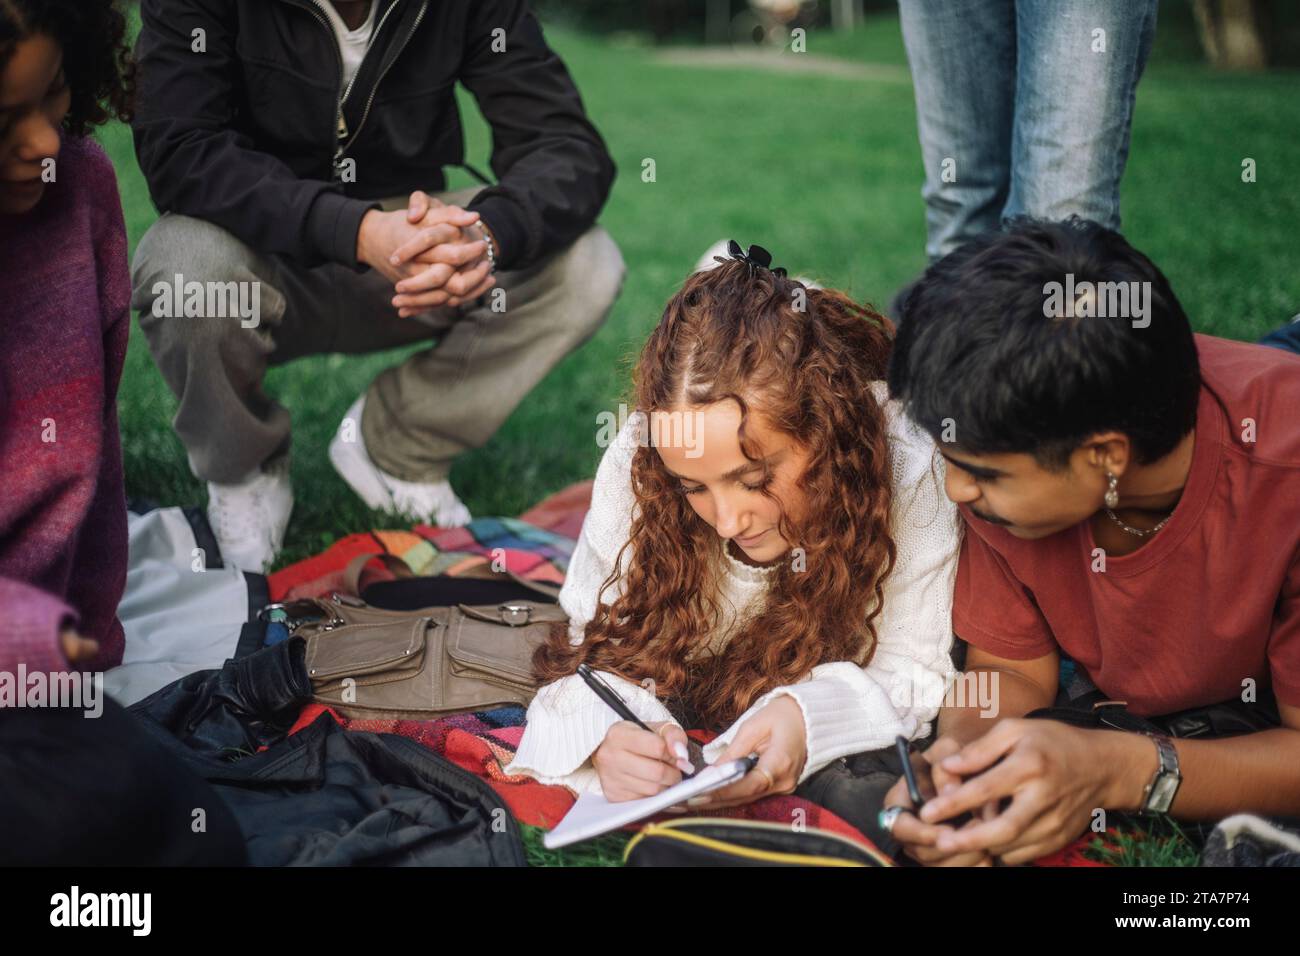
(64,316)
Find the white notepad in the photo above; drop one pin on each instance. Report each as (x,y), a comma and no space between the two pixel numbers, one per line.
(593,815)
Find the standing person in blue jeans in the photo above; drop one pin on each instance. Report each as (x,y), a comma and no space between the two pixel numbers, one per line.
(1023,107)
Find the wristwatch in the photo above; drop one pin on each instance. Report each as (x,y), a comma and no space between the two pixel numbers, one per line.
(1159,794)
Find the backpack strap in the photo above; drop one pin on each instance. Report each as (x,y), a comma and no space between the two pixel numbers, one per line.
(1095,710)
(545,588)
(353,576)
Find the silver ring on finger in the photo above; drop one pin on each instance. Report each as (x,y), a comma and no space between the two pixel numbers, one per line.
(888,817)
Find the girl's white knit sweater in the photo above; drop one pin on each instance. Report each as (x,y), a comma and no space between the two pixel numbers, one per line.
(847,709)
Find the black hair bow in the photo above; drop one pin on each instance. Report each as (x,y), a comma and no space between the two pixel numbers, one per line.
(757,256)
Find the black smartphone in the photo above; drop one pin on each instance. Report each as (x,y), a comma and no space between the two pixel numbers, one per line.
(920,785)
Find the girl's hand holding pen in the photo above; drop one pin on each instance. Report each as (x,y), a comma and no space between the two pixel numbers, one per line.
(633,762)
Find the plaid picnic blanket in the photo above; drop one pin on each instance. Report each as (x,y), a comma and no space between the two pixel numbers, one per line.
(537,545)
(484,742)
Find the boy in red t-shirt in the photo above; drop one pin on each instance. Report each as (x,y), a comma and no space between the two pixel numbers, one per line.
(1132,498)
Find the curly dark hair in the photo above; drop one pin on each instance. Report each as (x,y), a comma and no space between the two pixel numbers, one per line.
(730,334)
(96,56)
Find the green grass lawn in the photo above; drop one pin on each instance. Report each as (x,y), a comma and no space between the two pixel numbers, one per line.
(824,171)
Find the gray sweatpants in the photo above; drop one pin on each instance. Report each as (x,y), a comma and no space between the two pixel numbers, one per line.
(420,414)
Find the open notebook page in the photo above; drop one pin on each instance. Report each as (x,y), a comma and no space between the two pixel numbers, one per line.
(593,815)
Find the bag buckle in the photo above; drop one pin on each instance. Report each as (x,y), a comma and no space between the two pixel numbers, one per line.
(291,615)
(514,615)
(268,613)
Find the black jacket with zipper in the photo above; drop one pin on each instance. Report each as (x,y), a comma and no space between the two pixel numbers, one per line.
(240,124)
(324,796)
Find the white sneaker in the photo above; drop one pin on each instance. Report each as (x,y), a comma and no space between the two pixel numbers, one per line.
(433,503)
(249,517)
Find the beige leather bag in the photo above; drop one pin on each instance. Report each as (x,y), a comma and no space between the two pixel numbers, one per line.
(367,662)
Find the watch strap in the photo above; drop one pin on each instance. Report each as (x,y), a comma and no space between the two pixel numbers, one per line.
(1159,794)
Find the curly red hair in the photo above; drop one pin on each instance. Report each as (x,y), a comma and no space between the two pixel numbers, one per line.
(805,360)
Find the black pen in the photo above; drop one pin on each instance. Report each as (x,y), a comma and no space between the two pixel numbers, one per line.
(610,696)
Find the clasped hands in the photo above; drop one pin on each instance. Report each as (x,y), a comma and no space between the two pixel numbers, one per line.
(434,254)
(1031,786)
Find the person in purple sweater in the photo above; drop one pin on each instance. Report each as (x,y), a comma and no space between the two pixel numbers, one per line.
(64,298)
(73,790)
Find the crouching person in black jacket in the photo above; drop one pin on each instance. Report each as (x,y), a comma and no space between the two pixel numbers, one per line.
(296,149)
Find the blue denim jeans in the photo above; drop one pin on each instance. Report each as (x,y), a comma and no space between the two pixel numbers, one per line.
(1023,108)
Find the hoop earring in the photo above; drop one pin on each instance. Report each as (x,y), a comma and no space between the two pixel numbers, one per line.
(1112,496)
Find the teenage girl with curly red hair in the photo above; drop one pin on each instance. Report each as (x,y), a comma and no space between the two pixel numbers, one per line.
(769,554)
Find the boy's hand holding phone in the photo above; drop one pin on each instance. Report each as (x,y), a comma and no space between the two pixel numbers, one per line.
(919,838)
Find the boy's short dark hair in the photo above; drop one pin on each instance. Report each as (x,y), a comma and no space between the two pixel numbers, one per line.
(989,357)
